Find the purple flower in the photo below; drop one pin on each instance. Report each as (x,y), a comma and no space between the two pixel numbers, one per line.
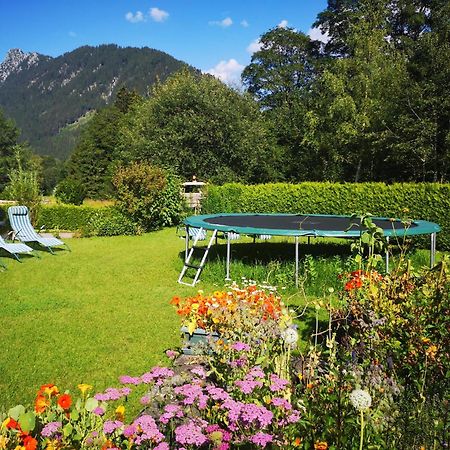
(240,362)
(162,446)
(171,411)
(51,428)
(294,417)
(281,403)
(129,430)
(218,394)
(190,434)
(171,354)
(145,400)
(149,430)
(157,374)
(126,379)
(247,386)
(199,371)
(111,425)
(277,383)
(112,394)
(261,439)
(255,372)
(192,392)
(98,411)
(240,347)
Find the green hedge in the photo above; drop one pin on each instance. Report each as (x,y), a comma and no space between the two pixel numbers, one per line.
(89,221)
(426,201)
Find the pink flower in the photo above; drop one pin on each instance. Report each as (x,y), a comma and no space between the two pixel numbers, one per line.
(261,439)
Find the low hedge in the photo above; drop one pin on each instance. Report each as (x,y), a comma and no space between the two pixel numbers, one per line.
(87,220)
(426,201)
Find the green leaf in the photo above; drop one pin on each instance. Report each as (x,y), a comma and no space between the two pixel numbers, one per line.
(91,404)
(67,430)
(27,421)
(74,415)
(15,412)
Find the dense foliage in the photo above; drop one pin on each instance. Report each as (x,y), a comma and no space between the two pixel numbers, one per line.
(196,125)
(70,191)
(148,195)
(427,201)
(372,104)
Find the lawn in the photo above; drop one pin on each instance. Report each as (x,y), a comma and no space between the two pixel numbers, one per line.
(103,310)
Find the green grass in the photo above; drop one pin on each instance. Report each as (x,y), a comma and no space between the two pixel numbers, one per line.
(103,310)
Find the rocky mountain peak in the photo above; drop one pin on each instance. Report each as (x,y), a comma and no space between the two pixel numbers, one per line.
(14,60)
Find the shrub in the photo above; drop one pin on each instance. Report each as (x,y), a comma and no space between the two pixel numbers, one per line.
(427,201)
(70,191)
(109,222)
(23,187)
(148,195)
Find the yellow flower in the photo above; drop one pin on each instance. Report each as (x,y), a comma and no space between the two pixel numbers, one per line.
(320,446)
(19,447)
(120,412)
(431,351)
(84,388)
(3,441)
(5,422)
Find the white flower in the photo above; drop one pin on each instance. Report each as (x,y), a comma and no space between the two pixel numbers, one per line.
(290,337)
(360,399)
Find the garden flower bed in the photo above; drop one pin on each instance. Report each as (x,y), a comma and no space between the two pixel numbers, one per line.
(375,371)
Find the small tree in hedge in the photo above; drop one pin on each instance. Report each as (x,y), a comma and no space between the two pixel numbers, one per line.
(149,195)
(70,191)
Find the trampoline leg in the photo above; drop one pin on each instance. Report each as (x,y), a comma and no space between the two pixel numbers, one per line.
(387,254)
(186,244)
(228,257)
(433,249)
(309,240)
(296,261)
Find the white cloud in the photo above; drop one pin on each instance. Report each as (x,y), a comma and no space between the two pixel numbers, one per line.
(316,34)
(158,15)
(135,18)
(222,23)
(228,71)
(72,34)
(254,46)
(283,24)
(244,23)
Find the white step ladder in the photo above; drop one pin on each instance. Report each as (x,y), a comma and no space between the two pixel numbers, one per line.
(187,261)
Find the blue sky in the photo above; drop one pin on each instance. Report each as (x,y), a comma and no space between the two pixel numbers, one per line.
(214,36)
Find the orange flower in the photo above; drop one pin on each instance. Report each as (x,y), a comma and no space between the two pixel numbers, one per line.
(41,403)
(320,446)
(48,389)
(30,443)
(175,300)
(297,442)
(65,401)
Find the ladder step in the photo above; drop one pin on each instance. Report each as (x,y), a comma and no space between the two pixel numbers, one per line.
(192,266)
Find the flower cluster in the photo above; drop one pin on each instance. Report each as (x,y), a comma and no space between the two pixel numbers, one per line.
(357,278)
(218,311)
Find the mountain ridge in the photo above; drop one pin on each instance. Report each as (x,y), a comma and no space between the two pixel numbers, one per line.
(44,94)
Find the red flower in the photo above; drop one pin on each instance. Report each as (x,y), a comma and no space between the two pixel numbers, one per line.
(30,443)
(65,401)
(12,424)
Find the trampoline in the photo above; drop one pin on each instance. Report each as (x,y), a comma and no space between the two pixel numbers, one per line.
(307,225)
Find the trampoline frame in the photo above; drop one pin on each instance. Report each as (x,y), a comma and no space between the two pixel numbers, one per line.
(421,227)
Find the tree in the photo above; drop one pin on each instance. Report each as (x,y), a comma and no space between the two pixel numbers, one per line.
(196,125)
(9,135)
(283,68)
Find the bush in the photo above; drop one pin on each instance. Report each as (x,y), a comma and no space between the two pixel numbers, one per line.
(148,195)
(427,201)
(70,191)
(109,222)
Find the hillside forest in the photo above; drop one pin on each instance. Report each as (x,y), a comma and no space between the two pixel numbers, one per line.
(370,104)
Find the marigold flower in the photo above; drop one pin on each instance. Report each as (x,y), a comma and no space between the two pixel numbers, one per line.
(65,401)
(320,445)
(41,403)
(120,412)
(297,442)
(11,424)
(84,388)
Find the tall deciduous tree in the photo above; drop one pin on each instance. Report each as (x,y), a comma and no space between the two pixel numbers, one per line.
(196,125)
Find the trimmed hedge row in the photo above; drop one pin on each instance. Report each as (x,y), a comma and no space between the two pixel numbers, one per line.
(426,201)
(89,221)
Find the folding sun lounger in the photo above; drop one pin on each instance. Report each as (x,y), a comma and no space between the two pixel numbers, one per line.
(24,231)
(15,249)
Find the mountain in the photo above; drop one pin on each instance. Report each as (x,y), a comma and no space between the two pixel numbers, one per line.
(51,98)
